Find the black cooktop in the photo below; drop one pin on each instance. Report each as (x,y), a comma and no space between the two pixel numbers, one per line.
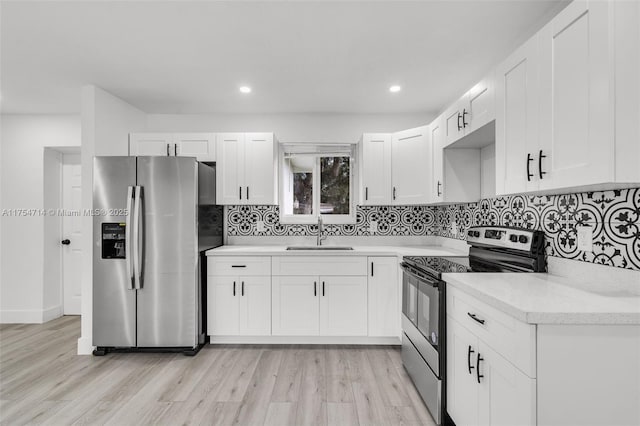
(436,265)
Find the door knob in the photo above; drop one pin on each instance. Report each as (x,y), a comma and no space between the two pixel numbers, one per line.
(65,242)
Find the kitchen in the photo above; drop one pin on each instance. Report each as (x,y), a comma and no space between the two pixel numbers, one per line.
(327,224)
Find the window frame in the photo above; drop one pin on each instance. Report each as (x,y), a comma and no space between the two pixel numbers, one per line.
(285,186)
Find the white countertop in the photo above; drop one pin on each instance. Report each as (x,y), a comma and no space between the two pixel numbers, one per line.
(281,250)
(537,298)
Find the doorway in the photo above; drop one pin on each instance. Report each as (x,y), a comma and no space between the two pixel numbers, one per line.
(71,235)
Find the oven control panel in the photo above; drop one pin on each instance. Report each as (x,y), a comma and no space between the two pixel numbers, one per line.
(513,238)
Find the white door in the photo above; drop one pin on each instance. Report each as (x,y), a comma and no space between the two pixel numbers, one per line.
(295,308)
(411,166)
(260,170)
(517,120)
(71,234)
(506,395)
(223,300)
(576,123)
(437,143)
(462,386)
(343,306)
(199,145)
(481,105)
(230,168)
(376,169)
(255,306)
(384,293)
(155,144)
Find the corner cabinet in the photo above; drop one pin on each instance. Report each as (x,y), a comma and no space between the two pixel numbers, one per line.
(246,168)
(202,146)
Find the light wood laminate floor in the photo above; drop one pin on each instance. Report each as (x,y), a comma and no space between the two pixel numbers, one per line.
(43,381)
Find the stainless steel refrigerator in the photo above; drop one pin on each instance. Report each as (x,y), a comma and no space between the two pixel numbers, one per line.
(152,223)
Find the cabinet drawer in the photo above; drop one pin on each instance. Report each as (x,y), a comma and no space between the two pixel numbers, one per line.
(513,339)
(319,265)
(239,265)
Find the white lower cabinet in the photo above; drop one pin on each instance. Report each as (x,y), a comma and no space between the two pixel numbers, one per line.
(383,297)
(484,388)
(319,306)
(239,305)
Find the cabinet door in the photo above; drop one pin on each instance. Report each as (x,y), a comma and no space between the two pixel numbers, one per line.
(517,120)
(506,395)
(453,128)
(462,386)
(343,306)
(255,306)
(437,143)
(260,170)
(229,168)
(481,102)
(154,144)
(199,145)
(222,306)
(376,169)
(411,166)
(576,122)
(295,308)
(383,291)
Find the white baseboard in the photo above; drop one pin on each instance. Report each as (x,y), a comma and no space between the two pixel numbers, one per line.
(22,316)
(304,340)
(85,346)
(52,312)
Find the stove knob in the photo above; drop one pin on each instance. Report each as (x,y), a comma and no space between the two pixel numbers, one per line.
(471,233)
(476,234)
(513,238)
(523,239)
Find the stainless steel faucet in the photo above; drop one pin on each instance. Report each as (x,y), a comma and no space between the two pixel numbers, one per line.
(320,237)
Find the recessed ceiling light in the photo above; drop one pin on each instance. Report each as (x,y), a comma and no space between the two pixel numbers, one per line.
(245,89)
(395,88)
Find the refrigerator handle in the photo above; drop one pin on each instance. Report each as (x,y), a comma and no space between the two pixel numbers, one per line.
(127,238)
(137,273)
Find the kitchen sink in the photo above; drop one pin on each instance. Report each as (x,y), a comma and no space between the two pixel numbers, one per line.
(318,248)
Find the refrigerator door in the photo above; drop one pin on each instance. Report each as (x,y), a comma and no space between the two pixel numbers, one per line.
(114,299)
(167,298)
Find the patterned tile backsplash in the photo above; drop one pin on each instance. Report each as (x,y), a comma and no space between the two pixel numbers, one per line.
(614,216)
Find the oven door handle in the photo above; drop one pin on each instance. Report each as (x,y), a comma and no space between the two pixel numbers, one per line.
(411,271)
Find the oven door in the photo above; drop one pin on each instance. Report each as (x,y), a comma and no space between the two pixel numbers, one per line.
(410,285)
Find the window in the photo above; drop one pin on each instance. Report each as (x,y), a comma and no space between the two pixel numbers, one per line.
(317,180)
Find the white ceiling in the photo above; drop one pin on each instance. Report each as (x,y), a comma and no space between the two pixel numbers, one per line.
(298,56)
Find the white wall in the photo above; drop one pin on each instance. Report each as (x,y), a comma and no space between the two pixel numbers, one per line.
(290,127)
(106,124)
(23,140)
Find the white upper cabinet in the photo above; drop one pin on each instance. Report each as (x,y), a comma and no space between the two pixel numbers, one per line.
(472,111)
(411,166)
(202,146)
(576,103)
(246,168)
(199,145)
(517,120)
(376,169)
(155,144)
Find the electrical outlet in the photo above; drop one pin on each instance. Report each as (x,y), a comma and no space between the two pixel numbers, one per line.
(373,227)
(454,228)
(260,226)
(585,238)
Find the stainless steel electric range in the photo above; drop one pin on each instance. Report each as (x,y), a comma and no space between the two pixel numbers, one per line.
(493,249)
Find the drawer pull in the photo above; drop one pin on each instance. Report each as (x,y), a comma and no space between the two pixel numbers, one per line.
(478,375)
(469,365)
(475,318)
(238,266)
(315,288)
(234,288)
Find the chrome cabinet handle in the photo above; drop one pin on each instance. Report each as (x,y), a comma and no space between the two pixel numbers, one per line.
(540,157)
(128,244)
(469,365)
